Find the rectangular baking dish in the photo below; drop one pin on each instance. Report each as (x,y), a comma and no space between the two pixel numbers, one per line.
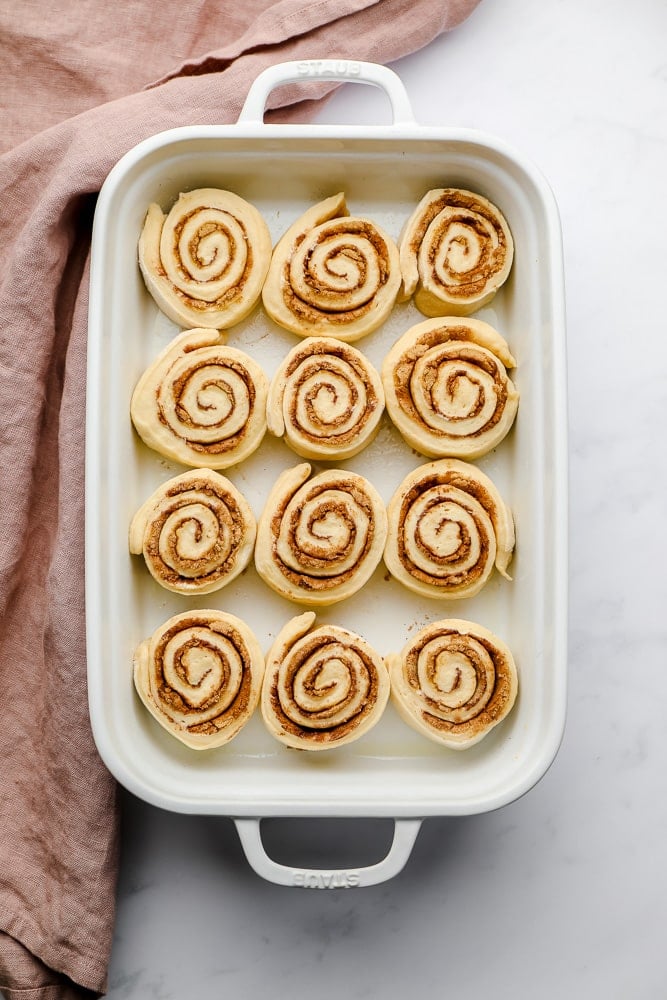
(391,771)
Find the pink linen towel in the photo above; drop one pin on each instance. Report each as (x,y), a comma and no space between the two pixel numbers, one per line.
(78,90)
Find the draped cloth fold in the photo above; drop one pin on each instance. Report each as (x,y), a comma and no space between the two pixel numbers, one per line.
(80,86)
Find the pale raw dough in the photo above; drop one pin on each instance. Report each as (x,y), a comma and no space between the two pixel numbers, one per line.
(205,262)
(447,389)
(201,402)
(326,400)
(456,251)
(319,540)
(447,528)
(453,682)
(323,687)
(332,274)
(196,532)
(200,676)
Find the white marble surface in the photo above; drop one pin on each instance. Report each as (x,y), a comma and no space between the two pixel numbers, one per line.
(561,894)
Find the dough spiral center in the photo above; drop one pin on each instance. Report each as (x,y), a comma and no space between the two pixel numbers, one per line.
(326,688)
(324,534)
(201,670)
(210,253)
(337,267)
(458,249)
(195,539)
(456,676)
(447,535)
(207,399)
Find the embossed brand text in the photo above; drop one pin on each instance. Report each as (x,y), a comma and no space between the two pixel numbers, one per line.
(319,67)
(326,880)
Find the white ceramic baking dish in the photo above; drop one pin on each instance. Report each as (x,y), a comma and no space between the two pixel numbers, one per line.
(392,771)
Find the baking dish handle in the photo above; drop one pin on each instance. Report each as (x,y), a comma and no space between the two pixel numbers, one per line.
(405,834)
(343,70)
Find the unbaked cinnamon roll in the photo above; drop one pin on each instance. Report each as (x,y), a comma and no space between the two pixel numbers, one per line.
(453,682)
(319,540)
(332,274)
(201,402)
(448,527)
(323,687)
(456,251)
(447,389)
(326,399)
(200,676)
(205,262)
(196,532)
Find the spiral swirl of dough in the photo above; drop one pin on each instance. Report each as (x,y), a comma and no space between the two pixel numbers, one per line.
(447,389)
(196,533)
(448,527)
(456,250)
(453,682)
(332,274)
(201,402)
(320,540)
(205,262)
(200,676)
(323,687)
(326,399)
